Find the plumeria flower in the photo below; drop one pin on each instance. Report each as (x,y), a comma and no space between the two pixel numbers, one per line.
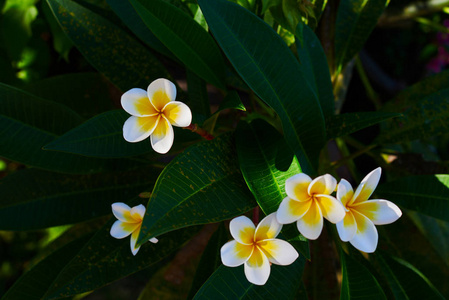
(256,248)
(362,214)
(129,222)
(153,113)
(308,201)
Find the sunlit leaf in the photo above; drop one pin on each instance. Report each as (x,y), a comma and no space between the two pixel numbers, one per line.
(427,194)
(201,185)
(269,68)
(32,199)
(117,55)
(355,21)
(231,283)
(185,38)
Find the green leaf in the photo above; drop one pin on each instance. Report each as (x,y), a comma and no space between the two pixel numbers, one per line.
(32,199)
(27,123)
(266,162)
(123,60)
(423,115)
(88,94)
(231,283)
(406,281)
(269,68)
(427,194)
(61,43)
(344,124)
(201,185)
(355,21)
(357,281)
(102,136)
(210,259)
(16,23)
(198,98)
(187,40)
(314,63)
(231,100)
(34,283)
(104,259)
(130,17)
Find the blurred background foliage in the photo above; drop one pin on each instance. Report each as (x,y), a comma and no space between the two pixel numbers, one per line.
(409,43)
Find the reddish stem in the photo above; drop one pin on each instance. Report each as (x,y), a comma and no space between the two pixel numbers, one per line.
(203,133)
(256,215)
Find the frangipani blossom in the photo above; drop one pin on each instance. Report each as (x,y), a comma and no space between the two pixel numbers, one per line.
(153,113)
(362,214)
(308,201)
(128,223)
(256,248)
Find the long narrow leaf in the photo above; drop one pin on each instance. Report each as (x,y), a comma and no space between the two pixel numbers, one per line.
(269,68)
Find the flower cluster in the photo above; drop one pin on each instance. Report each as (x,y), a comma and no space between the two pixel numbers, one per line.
(307,202)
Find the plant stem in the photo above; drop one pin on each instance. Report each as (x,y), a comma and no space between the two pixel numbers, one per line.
(372,95)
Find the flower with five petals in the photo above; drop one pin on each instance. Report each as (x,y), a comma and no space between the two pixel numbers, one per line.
(128,223)
(308,201)
(153,112)
(362,214)
(256,248)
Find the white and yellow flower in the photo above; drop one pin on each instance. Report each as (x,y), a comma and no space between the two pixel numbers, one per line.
(128,223)
(153,112)
(308,201)
(256,248)
(362,214)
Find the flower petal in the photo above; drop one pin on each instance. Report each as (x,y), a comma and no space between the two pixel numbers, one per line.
(137,129)
(291,210)
(347,227)
(242,230)
(122,212)
(278,252)
(344,192)
(234,254)
(160,92)
(296,187)
(136,103)
(324,184)
(134,237)
(154,240)
(331,208)
(120,229)
(178,114)
(268,228)
(366,237)
(311,224)
(367,186)
(138,212)
(162,137)
(379,211)
(257,268)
